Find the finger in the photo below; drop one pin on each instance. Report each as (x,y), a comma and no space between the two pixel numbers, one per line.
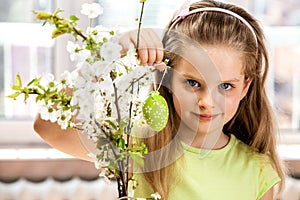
(159,55)
(143,55)
(151,56)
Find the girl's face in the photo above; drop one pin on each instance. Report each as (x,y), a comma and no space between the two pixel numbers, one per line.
(207,93)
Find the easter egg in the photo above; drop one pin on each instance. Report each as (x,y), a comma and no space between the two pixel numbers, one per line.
(155,111)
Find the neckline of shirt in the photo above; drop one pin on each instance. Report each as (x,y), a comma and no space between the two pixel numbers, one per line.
(227,147)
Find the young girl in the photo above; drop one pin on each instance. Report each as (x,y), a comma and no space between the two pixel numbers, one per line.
(219,142)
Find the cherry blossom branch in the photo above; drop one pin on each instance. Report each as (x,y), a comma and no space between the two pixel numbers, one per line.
(140,24)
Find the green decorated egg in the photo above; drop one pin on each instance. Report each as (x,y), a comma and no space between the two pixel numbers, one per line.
(155,111)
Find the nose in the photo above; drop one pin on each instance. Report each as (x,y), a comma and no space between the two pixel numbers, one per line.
(205,99)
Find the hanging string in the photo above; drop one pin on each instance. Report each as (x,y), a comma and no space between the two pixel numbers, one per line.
(161,80)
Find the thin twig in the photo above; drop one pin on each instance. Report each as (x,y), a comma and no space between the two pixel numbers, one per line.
(79,33)
(115,155)
(140,25)
(117,103)
(129,126)
(137,79)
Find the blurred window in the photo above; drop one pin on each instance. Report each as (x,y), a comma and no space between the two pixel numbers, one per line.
(25,47)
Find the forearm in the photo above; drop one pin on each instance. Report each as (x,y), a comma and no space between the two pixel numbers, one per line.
(67,141)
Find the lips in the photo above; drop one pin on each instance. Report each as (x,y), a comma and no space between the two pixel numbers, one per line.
(207,117)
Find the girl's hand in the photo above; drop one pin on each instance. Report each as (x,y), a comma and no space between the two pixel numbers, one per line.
(150,50)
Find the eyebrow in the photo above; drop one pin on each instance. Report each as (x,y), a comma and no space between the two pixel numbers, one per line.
(231,80)
(191,76)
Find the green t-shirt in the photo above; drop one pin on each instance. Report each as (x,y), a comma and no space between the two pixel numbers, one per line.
(234,172)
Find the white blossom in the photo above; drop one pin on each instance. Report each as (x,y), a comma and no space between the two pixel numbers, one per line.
(96,161)
(77,53)
(100,107)
(102,68)
(124,82)
(137,104)
(73,48)
(67,77)
(103,175)
(89,128)
(86,106)
(46,79)
(86,71)
(156,196)
(106,85)
(49,77)
(48,113)
(92,10)
(110,51)
(63,122)
(100,33)
(64,118)
(80,82)
(131,57)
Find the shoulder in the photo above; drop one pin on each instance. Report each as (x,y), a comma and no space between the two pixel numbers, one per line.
(243,150)
(245,153)
(259,164)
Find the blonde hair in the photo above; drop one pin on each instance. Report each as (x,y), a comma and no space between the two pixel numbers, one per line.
(253,122)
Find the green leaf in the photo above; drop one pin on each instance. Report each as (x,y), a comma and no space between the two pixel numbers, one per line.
(36,81)
(74,18)
(26,96)
(144,148)
(31,82)
(25,90)
(111,124)
(58,11)
(122,143)
(15,87)
(123,124)
(18,81)
(14,95)
(57,32)
(41,15)
(39,97)
(101,141)
(137,158)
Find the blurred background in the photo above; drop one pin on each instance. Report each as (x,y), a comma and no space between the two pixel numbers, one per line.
(26,47)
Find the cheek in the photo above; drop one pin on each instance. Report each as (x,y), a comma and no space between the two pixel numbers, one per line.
(183,100)
(231,106)
(176,105)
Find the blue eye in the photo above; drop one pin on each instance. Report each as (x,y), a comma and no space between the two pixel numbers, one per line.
(225,86)
(193,83)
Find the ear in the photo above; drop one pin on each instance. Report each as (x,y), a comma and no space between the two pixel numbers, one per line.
(247,83)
